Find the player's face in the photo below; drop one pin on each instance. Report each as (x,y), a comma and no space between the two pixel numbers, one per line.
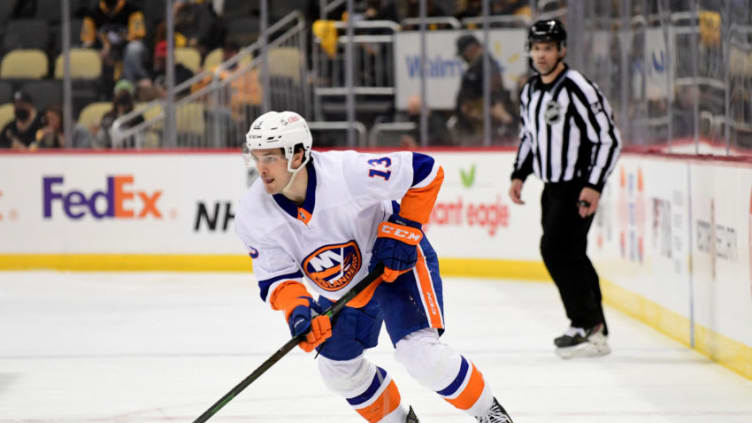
(545,56)
(272,168)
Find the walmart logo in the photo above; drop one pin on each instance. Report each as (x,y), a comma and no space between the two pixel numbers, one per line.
(468,178)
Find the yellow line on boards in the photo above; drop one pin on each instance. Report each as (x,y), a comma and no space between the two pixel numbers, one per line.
(126,262)
(492,268)
(486,268)
(720,348)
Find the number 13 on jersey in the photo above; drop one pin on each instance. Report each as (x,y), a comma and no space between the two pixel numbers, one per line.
(381,166)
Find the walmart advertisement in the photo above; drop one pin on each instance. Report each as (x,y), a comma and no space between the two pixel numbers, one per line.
(443,67)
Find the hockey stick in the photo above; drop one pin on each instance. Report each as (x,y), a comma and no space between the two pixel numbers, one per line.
(292,343)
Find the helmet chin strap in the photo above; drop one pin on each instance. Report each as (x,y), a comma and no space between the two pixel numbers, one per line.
(286,189)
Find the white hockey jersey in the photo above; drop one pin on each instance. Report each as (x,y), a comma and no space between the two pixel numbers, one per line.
(327,240)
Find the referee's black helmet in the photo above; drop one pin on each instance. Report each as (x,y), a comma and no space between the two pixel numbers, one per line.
(547,30)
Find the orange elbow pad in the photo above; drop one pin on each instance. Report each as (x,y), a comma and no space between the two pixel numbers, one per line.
(417,203)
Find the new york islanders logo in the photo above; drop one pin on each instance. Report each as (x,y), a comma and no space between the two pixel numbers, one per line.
(332,267)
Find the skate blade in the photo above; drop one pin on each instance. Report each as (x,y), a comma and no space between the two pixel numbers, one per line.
(586,349)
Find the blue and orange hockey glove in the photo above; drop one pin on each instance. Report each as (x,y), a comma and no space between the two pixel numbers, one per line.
(302,314)
(396,246)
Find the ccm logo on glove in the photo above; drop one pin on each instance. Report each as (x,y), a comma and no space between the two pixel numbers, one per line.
(396,246)
(402,233)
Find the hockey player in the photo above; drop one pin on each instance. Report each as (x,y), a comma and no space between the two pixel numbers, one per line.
(327,218)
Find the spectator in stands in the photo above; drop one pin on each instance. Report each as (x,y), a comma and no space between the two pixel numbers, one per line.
(158,89)
(377,10)
(468,118)
(551,6)
(197,26)
(245,89)
(393,10)
(121,105)
(229,50)
(244,94)
(363,9)
(118,29)
(438,134)
(52,134)
(21,132)
(24,9)
(510,7)
(411,9)
(472,9)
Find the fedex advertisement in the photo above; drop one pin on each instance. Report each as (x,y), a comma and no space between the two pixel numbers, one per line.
(120,203)
(111,202)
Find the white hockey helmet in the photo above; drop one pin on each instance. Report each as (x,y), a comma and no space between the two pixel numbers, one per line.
(282,130)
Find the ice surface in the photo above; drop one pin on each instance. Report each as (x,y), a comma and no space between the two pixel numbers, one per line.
(163,347)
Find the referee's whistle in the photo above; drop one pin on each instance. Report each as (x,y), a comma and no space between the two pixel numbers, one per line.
(583,203)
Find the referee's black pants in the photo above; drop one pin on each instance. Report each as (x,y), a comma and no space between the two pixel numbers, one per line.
(564,250)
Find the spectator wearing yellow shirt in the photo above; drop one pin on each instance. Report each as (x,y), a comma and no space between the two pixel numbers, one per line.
(118,29)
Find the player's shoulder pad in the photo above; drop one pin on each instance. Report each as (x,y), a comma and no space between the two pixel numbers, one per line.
(330,159)
(331,165)
(256,215)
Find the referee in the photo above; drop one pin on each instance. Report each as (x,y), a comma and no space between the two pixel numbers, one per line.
(570,142)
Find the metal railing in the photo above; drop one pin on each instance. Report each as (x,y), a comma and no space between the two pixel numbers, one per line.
(664,76)
(373,63)
(445,21)
(215,107)
(399,128)
(506,21)
(332,126)
(326,7)
(673,71)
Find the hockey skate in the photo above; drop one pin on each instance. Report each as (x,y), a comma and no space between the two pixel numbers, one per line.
(496,414)
(411,417)
(579,342)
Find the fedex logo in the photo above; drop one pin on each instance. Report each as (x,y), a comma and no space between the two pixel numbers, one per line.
(116,201)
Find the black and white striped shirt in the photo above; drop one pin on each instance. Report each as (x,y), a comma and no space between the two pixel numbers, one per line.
(568,131)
